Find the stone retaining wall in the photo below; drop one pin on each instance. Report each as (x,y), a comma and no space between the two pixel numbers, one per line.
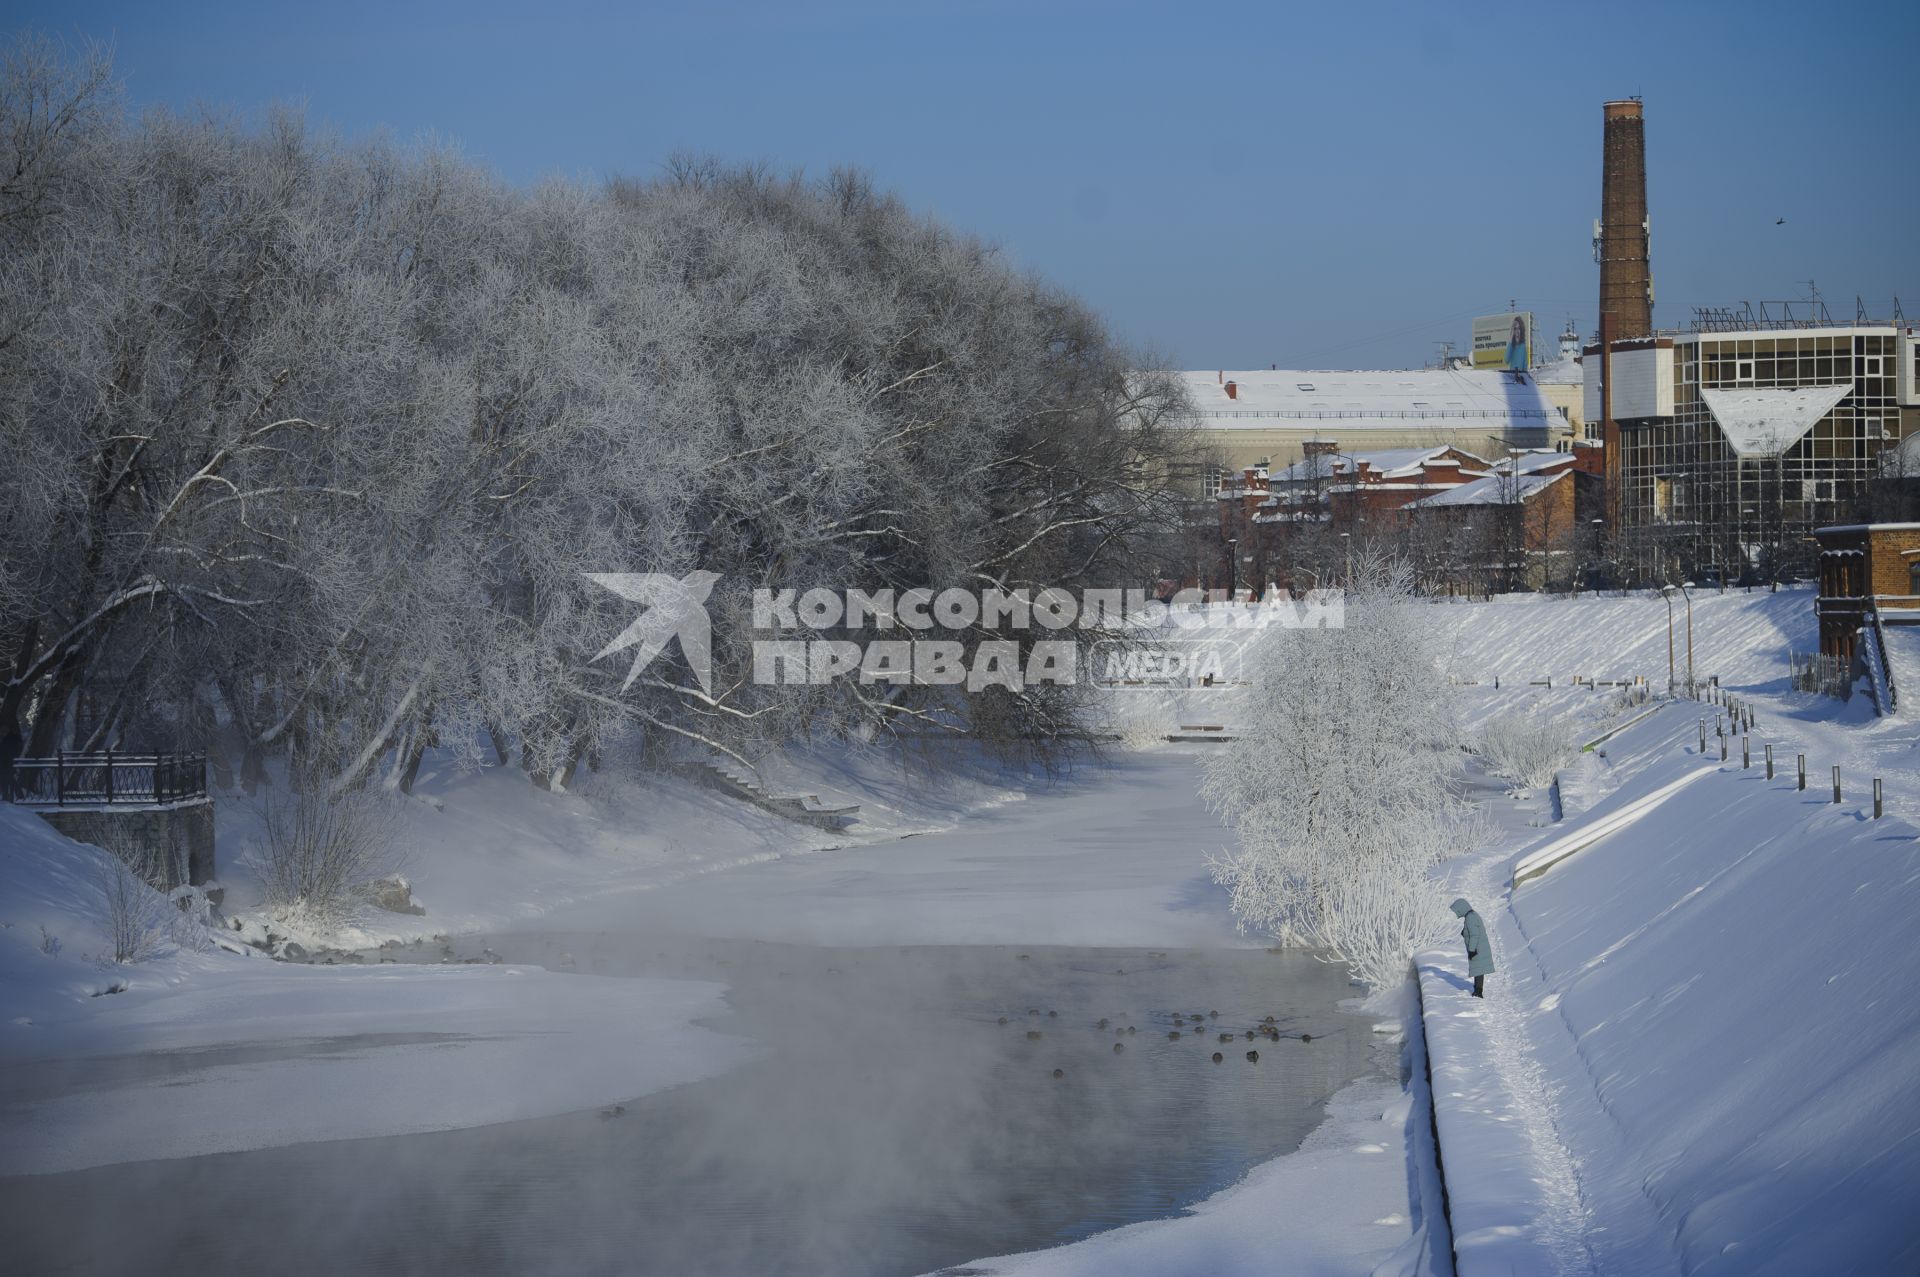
(171,846)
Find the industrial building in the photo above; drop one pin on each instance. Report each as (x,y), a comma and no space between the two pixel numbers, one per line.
(1729,441)
(1271,417)
(1735,442)
(1563,384)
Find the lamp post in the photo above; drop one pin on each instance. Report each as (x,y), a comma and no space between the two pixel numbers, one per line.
(1689,600)
(1598,526)
(1346,547)
(1666,592)
(1233,550)
(1749,523)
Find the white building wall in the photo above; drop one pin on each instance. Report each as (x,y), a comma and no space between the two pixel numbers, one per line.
(1642,384)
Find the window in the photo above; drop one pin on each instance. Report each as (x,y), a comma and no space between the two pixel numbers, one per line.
(1303,385)
(1872,366)
(1913,576)
(1743,370)
(1211,480)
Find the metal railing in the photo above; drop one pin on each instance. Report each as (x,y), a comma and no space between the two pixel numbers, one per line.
(79,780)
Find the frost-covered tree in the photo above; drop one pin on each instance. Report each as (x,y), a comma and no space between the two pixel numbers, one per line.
(313,443)
(1340,785)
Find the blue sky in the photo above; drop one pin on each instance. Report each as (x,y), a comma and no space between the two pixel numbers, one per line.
(1231,185)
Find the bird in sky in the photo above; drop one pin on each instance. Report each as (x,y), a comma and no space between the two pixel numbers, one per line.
(1780,221)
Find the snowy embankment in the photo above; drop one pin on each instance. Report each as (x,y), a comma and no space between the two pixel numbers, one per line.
(1743,637)
(485,850)
(164,1057)
(199,1050)
(1697,1054)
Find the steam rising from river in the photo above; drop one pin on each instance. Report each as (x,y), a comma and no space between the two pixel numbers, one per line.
(890,1125)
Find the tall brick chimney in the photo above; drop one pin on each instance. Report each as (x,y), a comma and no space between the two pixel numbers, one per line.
(1620,240)
(1233,390)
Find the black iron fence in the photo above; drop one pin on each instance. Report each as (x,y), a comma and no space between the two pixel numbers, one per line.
(75,780)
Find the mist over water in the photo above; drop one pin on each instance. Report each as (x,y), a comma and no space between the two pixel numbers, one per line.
(889,1125)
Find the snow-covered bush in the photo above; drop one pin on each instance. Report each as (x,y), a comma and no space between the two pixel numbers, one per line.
(1528,748)
(313,850)
(133,914)
(1340,783)
(1142,718)
(1378,916)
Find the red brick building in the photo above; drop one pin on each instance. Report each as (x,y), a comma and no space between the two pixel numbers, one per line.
(1866,568)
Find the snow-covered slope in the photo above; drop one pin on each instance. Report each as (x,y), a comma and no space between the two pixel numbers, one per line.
(484,849)
(1714,1003)
(1734,977)
(167,1057)
(1742,637)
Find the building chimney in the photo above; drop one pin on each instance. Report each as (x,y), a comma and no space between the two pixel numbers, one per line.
(1233,390)
(1620,236)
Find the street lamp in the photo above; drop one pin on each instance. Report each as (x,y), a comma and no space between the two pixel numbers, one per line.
(1667,592)
(1599,527)
(1346,546)
(1233,549)
(1689,599)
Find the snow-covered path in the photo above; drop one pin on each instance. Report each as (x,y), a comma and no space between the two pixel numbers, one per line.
(1562,1226)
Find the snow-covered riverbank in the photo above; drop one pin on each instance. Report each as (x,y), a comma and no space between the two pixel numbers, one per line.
(214,1051)
(1690,1020)
(1697,1055)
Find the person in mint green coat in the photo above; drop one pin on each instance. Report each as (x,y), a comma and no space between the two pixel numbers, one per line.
(1479,952)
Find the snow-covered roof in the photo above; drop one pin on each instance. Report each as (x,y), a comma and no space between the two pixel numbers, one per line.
(1492,490)
(1381,461)
(1449,398)
(1561,372)
(1766,421)
(1533,460)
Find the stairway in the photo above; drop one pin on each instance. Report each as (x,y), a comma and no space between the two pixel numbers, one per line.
(734,779)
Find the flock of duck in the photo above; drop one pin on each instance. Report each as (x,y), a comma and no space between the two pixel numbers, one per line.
(1197,1025)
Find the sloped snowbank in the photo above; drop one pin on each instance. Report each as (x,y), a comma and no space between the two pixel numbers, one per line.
(1741,636)
(1734,977)
(107,1062)
(485,849)
(1703,1025)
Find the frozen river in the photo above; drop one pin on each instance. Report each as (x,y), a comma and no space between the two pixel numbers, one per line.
(885,1119)
(890,1124)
